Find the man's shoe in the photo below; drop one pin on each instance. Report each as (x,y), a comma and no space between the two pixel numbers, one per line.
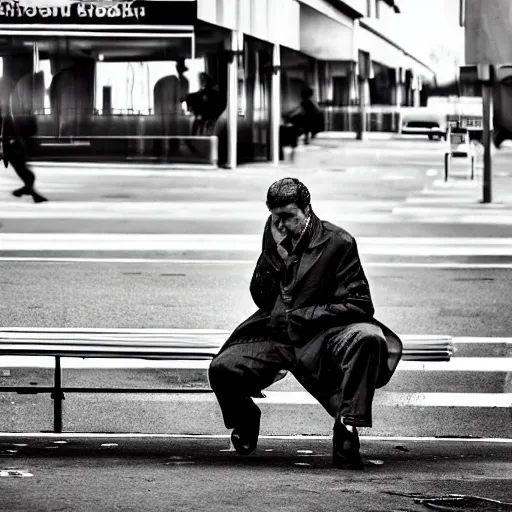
(245,439)
(345,448)
(38,198)
(21,192)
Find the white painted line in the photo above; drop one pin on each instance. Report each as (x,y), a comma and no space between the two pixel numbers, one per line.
(461,364)
(382,398)
(389,398)
(171,261)
(456,364)
(207,206)
(339,211)
(474,339)
(339,217)
(86,435)
(237,238)
(397,246)
(440,265)
(462,209)
(131,260)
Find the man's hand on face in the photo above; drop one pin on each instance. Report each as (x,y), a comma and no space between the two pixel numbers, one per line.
(279,233)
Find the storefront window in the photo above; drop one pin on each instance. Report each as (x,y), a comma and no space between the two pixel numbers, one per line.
(134,85)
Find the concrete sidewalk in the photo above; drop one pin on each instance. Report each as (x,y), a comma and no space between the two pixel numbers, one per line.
(88,473)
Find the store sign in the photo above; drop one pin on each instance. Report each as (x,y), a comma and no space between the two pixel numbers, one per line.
(144,12)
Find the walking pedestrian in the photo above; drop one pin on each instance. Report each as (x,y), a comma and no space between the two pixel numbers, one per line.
(315,319)
(16,133)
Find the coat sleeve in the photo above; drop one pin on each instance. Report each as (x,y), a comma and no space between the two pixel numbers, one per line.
(351,301)
(264,286)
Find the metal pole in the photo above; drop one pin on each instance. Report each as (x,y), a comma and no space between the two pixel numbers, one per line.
(275,104)
(487,177)
(362,109)
(232,110)
(57,396)
(447,161)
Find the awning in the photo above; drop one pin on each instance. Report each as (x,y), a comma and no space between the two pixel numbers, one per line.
(325,38)
(380,50)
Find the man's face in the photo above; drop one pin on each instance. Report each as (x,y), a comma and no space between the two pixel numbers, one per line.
(289,220)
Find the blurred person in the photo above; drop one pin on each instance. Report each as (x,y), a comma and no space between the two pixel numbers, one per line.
(169,96)
(206,104)
(16,133)
(307,116)
(288,137)
(315,319)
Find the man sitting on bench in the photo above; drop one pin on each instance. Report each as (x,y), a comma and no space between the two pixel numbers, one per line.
(315,319)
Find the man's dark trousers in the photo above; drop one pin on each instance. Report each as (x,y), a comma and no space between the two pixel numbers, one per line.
(18,161)
(354,355)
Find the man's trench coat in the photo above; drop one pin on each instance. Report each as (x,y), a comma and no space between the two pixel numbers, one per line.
(330,291)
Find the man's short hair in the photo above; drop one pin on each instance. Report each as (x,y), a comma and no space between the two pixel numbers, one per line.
(287,191)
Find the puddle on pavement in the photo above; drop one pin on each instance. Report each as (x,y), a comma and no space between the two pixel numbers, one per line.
(456,502)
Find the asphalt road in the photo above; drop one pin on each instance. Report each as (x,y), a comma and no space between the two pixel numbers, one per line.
(180,474)
(145,247)
(139,247)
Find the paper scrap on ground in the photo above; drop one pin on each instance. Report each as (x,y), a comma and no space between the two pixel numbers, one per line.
(15,473)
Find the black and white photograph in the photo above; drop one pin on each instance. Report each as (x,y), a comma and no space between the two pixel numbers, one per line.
(255,255)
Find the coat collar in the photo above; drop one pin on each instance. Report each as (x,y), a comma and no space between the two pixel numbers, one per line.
(316,235)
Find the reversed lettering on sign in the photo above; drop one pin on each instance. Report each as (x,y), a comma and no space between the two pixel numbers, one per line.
(14,9)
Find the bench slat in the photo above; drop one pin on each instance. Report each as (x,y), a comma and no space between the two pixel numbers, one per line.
(163,343)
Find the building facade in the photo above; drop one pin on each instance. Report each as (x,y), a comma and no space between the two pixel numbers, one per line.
(109,78)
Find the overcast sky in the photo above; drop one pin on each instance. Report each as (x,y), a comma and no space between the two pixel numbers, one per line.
(431,23)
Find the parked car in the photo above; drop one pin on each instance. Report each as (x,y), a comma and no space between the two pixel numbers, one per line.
(432,120)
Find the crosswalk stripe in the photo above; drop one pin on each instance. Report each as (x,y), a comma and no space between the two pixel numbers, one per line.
(251,262)
(391,398)
(461,364)
(500,401)
(389,246)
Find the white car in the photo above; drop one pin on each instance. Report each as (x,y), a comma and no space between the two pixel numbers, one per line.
(432,120)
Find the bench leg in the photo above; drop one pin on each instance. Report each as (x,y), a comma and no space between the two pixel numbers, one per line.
(57,397)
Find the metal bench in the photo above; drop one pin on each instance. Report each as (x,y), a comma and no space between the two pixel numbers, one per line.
(151,344)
